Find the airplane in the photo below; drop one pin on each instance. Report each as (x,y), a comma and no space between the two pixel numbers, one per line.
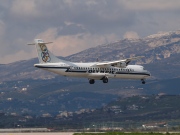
(93,70)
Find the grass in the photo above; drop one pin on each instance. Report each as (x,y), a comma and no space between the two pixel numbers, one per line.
(121,133)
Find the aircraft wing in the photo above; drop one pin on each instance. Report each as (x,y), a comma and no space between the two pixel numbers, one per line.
(119,63)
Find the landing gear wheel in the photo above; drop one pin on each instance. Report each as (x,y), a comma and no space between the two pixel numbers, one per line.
(143,81)
(91,81)
(105,80)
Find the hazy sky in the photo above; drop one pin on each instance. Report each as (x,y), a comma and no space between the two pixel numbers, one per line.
(74,25)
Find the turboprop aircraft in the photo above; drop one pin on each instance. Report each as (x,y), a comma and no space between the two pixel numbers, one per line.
(93,70)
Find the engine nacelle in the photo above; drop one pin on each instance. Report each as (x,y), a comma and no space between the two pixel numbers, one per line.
(121,65)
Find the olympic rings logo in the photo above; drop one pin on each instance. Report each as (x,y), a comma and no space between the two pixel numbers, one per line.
(45,54)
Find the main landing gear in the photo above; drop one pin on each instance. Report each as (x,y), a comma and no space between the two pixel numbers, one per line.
(105,79)
(143,81)
(91,81)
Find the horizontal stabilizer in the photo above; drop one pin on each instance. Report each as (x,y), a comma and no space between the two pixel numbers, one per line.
(40,43)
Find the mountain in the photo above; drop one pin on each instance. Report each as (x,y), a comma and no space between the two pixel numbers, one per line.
(23,86)
(135,111)
(128,113)
(159,51)
(155,48)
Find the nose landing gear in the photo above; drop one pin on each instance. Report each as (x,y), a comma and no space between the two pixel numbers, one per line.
(143,81)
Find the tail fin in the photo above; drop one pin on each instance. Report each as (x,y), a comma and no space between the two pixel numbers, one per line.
(44,55)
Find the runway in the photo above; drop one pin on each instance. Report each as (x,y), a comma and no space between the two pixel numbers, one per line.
(42,133)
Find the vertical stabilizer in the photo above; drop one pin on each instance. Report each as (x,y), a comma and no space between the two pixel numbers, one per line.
(44,55)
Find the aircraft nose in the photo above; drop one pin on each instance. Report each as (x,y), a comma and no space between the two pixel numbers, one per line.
(148,73)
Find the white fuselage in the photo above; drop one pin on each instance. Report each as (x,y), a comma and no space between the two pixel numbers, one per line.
(90,71)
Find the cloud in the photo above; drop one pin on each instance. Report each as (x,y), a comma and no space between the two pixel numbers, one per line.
(2,29)
(69,44)
(131,35)
(24,8)
(77,25)
(151,5)
(20,55)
